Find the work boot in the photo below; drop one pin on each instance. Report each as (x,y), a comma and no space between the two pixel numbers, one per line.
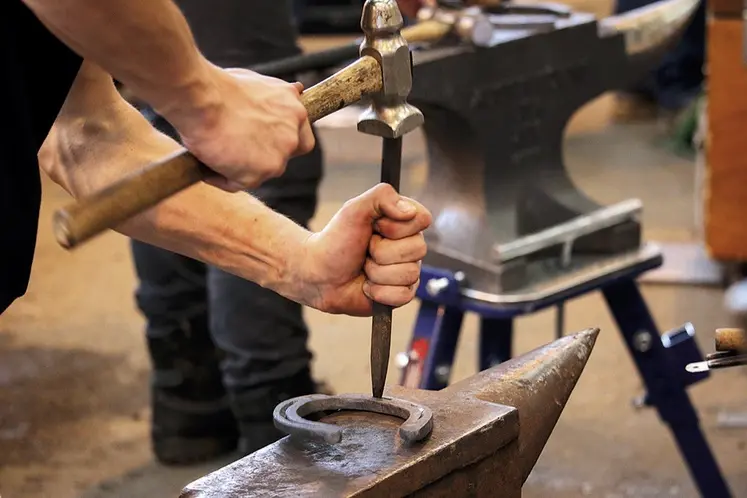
(253,409)
(192,420)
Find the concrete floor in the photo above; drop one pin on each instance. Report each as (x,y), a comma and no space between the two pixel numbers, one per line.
(74,371)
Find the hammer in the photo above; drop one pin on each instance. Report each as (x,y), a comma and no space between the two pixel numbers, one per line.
(376,71)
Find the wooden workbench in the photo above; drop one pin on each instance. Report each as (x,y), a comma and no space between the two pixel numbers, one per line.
(725,189)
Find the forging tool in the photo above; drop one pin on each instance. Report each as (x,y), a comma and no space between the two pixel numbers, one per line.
(388,116)
(489,430)
(731,351)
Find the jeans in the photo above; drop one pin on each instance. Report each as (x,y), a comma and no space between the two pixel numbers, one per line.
(261,335)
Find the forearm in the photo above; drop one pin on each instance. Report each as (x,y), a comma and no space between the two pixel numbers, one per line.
(145,44)
(234,232)
(98,138)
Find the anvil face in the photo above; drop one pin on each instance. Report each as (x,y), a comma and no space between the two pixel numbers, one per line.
(370,453)
(488,431)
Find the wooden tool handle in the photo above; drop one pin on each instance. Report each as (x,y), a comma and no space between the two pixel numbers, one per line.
(426,31)
(731,339)
(139,191)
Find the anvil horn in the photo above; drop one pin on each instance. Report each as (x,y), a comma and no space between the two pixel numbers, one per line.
(650,28)
(538,384)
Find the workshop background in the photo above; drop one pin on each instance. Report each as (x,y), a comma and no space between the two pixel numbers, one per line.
(74,371)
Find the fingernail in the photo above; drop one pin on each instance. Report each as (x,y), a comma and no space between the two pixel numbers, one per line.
(405,206)
(367,289)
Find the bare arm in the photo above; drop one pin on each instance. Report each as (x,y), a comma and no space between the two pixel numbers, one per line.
(146,44)
(98,137)
(242,125)
(371,249)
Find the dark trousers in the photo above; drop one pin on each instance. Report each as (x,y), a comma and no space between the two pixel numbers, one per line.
(261,336)
(679,77)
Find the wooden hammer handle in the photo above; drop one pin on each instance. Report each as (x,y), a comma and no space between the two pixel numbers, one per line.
(141,190)
(731,339)
(426,31)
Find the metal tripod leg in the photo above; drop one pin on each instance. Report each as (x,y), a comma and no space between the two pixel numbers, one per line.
(665,389)
(433,346)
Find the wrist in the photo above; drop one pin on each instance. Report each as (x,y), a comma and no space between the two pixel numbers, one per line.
(297,281)
(195,102)
(284,255)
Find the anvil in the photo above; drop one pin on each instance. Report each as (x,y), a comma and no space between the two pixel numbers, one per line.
(495,118)
(488,432)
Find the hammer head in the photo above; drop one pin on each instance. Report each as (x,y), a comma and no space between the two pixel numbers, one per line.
(381,17)
(388,115)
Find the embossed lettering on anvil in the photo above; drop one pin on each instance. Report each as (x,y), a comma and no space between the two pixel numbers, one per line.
(528,91)
(553,77)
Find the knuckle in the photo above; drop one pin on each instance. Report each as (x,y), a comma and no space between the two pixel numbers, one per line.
(290,143)
(275,167)
(413,274)
(349,204)
(370,268)
(421,248)
(411,291)
(374,292)
(374,247)
(382,189)
(289,88)
(381,226)
(301,114)
(309,142)
(410,294)
(426,218)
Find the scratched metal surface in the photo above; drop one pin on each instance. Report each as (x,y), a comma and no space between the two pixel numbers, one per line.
(471,425)
(465,430)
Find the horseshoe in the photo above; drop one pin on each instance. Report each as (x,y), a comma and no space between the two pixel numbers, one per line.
(289,416)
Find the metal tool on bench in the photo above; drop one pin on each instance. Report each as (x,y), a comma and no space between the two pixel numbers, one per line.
(731,351)
(489,431)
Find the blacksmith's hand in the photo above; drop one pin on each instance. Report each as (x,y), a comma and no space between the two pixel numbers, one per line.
(370,250)
(245,128)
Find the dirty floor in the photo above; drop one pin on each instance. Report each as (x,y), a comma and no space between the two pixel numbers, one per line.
(74,371)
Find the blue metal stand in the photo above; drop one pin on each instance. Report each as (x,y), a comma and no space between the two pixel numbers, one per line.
(660,359)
